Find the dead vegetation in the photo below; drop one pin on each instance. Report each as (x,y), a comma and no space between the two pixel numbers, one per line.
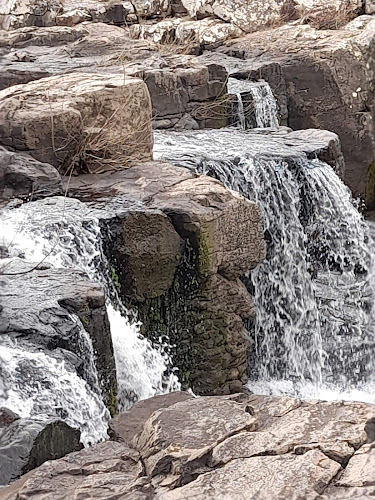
(329,17)
(100,138)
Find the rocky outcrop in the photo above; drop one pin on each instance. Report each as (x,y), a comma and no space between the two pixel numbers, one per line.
(185,282)
(36,313)
(86,122)
(107,469)
(21,176)
(329,83)
(25,444)
(222,447)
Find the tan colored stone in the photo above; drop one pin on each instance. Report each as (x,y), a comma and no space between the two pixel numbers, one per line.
(88,121)
(264,478)
(335,428)
(225,228)
(176,441)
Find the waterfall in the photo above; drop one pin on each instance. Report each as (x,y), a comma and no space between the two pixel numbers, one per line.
(314,293)
(255,104)
(34,384)
(67,235)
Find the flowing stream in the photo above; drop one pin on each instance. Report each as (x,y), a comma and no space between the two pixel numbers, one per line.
(255,104)
(63,233)
(314,293)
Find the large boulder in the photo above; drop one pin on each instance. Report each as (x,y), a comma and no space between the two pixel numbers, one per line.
(197,300)
(25,444)
(82,121)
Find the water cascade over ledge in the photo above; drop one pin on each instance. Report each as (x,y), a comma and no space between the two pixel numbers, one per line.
(314,293)
(254,106)
(63,233)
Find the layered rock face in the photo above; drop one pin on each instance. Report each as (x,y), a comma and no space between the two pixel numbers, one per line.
(181,447)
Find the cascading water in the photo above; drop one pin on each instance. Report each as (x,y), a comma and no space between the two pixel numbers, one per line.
(314,293)
(255,104)
(64,234)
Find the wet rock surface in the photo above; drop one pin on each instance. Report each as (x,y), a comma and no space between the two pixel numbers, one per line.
(36,314)
(197,299)
(26,443)
(178,452)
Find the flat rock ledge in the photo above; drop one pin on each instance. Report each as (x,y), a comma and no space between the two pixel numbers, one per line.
(177,446)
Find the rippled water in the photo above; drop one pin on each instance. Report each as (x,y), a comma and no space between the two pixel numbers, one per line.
(314,293)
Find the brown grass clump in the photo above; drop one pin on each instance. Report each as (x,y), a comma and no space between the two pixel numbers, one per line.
(329,17)
(101,139)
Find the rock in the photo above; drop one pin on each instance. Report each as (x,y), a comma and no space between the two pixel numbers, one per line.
(7,417)
(206,32)
(21,13)
(145,250)
(93,46)
(337,429)
(357,480)
(186,123)
(125,426)
(69,121)
(201,312)
(248,17)
(106,469)
(151,8)
(169,448)
(329,151)
(300,478)
(370,6)
(328,75)
(255,16)
(224,228)
(22,176)
(25,444)
(201,448)
(36,313)
(183,86)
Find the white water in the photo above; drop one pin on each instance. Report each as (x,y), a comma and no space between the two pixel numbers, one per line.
(63,234)
(262,103)
(314,293)
(33,384)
